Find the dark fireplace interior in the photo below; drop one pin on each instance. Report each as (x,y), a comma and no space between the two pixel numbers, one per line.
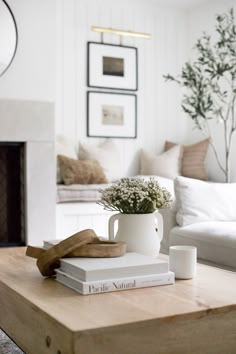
(12,194)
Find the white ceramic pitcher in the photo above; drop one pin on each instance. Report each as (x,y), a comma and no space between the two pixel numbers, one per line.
(141,232)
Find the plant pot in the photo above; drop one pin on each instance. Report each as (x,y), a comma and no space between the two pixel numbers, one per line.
(141,232)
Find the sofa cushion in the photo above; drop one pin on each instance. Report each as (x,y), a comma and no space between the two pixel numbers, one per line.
(106,154)
(215,240)
(83,172)
(198,201)
(166,165)
(80,192)
(194,156)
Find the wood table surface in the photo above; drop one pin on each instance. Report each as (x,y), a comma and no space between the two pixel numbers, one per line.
(43,316)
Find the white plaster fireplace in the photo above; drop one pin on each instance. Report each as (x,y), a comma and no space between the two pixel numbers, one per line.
(32,123)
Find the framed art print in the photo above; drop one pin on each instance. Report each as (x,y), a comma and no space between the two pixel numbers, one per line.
(112,115)
(112,66)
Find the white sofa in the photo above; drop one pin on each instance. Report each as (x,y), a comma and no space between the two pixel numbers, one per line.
(205,217)
(215,241)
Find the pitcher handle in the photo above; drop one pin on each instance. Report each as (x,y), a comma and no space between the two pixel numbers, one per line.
(159,219)
(111,222)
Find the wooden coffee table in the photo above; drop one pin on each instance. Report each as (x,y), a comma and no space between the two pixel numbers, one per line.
(44,317)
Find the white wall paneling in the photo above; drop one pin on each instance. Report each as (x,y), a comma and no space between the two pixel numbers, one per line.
(158,114)
(32,73)
(51,64)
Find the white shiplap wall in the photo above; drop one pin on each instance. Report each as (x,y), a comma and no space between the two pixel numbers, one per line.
(32,74)
(159,112)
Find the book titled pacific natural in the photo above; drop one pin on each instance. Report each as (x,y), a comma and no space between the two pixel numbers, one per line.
(118,284)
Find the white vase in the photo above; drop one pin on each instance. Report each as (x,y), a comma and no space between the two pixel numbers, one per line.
(141,232)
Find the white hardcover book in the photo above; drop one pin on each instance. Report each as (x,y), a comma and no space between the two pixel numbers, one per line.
(103,286)
(130,264)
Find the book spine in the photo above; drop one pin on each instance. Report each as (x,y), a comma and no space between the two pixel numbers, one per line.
(125,284)
(104,286)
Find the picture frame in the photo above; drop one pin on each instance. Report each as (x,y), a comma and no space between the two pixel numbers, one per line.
(112,66)
(111,115)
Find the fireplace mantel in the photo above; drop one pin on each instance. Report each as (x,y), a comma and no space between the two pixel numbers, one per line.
(32,122)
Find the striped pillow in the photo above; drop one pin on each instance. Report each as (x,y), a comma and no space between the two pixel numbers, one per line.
(193,161)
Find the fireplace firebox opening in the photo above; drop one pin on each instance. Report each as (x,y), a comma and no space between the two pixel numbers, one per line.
(12,194)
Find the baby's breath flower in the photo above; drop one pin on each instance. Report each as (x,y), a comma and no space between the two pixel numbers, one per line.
(135,196)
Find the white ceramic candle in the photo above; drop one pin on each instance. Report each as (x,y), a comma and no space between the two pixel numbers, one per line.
(183,261)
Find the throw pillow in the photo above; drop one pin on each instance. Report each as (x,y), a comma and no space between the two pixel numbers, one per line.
(106,154)
(80,172)
(63,147)
(166,165)
(193,163)
(198,201)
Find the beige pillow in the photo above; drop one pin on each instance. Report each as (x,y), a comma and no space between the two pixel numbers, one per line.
(106,154)
(63,147)
(193,163)
(166,165)
(80,172)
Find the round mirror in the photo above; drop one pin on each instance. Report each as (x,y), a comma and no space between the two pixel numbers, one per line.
(8,36)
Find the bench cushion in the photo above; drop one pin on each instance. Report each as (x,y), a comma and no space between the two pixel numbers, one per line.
(215,240)
(79,192)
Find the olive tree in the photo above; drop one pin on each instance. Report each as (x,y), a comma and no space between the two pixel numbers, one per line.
(210,85)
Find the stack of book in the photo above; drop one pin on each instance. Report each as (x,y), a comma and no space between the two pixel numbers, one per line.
(100,275)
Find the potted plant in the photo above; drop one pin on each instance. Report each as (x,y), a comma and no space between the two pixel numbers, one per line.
(139,223)
(210,83)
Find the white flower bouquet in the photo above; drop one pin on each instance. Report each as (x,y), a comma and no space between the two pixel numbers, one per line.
(135,196)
